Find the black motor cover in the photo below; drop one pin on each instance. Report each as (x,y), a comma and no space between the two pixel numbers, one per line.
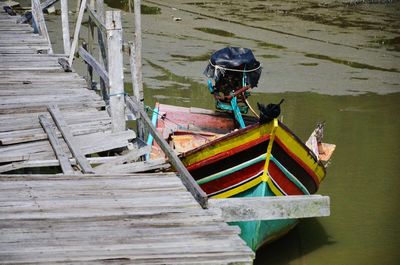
(227,66)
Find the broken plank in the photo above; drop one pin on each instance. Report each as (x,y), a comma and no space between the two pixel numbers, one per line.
(58,150)
(135,167)
(75,150)
(132,155)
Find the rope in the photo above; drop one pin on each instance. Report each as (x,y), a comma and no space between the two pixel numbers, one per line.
(223,69)
(250,107)
(118,94)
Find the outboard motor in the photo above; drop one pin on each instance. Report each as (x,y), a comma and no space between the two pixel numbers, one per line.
(234,72)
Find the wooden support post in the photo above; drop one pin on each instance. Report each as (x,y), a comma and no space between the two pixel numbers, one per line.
(136,87)
(90,45)
(272,208)
(115,70)
(76,32)
(69,139)
(55,143)
(38,16)
(65,26)
(136,66)
(187,179)
(102,49)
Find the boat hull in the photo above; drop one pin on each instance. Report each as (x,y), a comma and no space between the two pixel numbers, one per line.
(260,232)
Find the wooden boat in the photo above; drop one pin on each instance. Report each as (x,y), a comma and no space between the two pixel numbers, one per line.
(260,158)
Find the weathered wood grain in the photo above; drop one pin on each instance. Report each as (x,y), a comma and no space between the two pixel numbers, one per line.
(37,14)
(69,139)
(53,138)
(139,219)
(115,70)
(272,208)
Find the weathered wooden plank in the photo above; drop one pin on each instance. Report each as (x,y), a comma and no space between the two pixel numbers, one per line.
(49,163)
(53,138)
(185,176)
(37,107)
(22,136)
(49,98)
(41,150)
(132,155)
(272,208)
(128,251)
(135,167)
(75,150)
(65,92)
(74,117)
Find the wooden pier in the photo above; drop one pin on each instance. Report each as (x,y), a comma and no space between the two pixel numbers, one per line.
(32,80)
(99,209)
(86,218)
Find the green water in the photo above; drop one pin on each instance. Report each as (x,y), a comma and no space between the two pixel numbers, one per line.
(362,180)
(332,61)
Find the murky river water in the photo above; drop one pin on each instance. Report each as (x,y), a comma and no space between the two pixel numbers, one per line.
(336,61)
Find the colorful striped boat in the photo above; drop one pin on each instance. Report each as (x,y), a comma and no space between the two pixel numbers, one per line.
(259,160)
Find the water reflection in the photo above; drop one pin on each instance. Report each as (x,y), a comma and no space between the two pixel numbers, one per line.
(307,237)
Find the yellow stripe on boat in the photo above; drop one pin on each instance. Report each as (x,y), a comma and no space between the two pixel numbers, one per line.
(239,189)
(265,176)
(300,151)
(223,146)
(273,188)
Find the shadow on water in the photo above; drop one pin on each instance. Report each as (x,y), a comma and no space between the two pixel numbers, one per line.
(308,236)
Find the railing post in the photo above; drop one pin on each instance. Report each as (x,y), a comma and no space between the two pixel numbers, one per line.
(38,16)
(135,67)
(115,70)
(102,50)
(90,45)
(136,64)
(65,26)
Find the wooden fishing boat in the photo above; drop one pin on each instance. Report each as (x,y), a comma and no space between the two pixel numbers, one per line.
(260,158)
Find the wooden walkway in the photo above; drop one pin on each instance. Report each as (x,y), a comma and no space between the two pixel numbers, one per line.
(87,218)
(30,81)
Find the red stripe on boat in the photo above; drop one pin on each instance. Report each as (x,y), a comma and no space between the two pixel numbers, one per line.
(233,178)
(299,161)
(284,183)
(227,153)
